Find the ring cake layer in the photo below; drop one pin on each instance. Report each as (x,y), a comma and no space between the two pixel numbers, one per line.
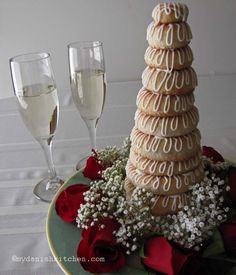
(164,105)
(164,185)
(170,13)
(167,126)
(169,59)
(172,35)
(166,82)
(161,205)
(165,149)
(164,168)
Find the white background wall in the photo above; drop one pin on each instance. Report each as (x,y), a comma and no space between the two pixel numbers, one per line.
(49,25)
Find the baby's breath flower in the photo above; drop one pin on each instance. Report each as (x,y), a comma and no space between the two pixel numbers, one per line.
(193,224)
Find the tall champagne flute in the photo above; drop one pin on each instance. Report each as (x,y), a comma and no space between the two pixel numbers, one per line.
(88,84)
(36,93)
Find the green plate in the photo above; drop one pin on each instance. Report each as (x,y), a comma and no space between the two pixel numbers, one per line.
(63,239)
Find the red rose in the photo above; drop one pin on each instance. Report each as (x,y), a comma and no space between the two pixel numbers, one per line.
(228,231)
(69,201)
(232,184)
(212,154)
(163,257)
(93,168)
(100,249)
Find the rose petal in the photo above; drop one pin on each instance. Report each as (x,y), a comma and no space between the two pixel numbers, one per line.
(100,243)
(106,250)
(93,169)
(108,265)
(179,260)
(165,257)
(65,208)
(106,234)
(76,189)
(85,259)
(82,250)
(159,256)
(86,232)
(69,201)
(212,154)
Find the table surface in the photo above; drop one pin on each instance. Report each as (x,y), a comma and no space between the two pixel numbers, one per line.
(22,231)
(22,217)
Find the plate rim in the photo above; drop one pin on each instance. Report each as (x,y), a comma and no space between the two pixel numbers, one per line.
(49,213)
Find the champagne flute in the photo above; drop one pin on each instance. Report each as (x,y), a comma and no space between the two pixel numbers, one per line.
(36,93)
(88,84)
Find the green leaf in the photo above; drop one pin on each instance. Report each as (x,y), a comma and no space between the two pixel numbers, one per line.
(141,251)
(144,241)
(216,246)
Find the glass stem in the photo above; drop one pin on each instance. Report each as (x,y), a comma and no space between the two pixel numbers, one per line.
(47,148)
(92,127)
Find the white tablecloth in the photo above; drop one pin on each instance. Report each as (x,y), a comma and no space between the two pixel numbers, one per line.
(22,231)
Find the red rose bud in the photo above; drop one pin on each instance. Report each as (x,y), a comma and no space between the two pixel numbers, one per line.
(69,201)
(163,257)
(100,243)
(232,184)
(228,232)
(212,154)
(93,168)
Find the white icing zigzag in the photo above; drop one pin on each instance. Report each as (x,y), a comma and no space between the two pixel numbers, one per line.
(180,11)
(164,185)
(154,143)
(147,99)
(158,80)
(167,126)
(176,201)
(164,167)
(176,32)
(167,59)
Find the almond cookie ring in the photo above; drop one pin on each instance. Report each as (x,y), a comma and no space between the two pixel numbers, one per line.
(165,149)
(168,126)
(173,35)
(170,83)
(164,205)
(164,185)
(161,205)
(164,105)
(170,13)
(169,59)
(164,168)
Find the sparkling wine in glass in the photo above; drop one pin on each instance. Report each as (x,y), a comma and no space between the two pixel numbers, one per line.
(88,84)
(38,104)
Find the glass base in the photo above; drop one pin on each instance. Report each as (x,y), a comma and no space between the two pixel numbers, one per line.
(45,190)
(81,163)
